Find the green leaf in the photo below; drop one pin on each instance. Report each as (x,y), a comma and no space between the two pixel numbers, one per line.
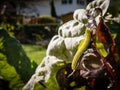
(15,66)
(101,49)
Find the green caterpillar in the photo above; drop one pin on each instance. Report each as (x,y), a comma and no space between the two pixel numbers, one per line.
(81,48)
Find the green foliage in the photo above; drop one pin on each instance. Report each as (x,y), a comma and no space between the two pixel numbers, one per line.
(46,19)
(8,22)
(9,73)
(114,7)
(50,85)
(15,66)
(34,52)
(38,32)
(101,48)
(9,27)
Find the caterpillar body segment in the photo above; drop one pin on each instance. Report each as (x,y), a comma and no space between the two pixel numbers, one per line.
(81,48)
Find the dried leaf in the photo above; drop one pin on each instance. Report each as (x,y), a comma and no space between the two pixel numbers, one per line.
(105,36)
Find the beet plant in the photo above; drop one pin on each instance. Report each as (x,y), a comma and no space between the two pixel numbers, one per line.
(87,48)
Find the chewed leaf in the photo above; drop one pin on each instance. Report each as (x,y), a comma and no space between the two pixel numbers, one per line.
(103,4)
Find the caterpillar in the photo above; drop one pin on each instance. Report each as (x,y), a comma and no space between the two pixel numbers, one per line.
(81,49)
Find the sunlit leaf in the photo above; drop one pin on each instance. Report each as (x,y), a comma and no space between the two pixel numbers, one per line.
(15,66)
(101,49)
